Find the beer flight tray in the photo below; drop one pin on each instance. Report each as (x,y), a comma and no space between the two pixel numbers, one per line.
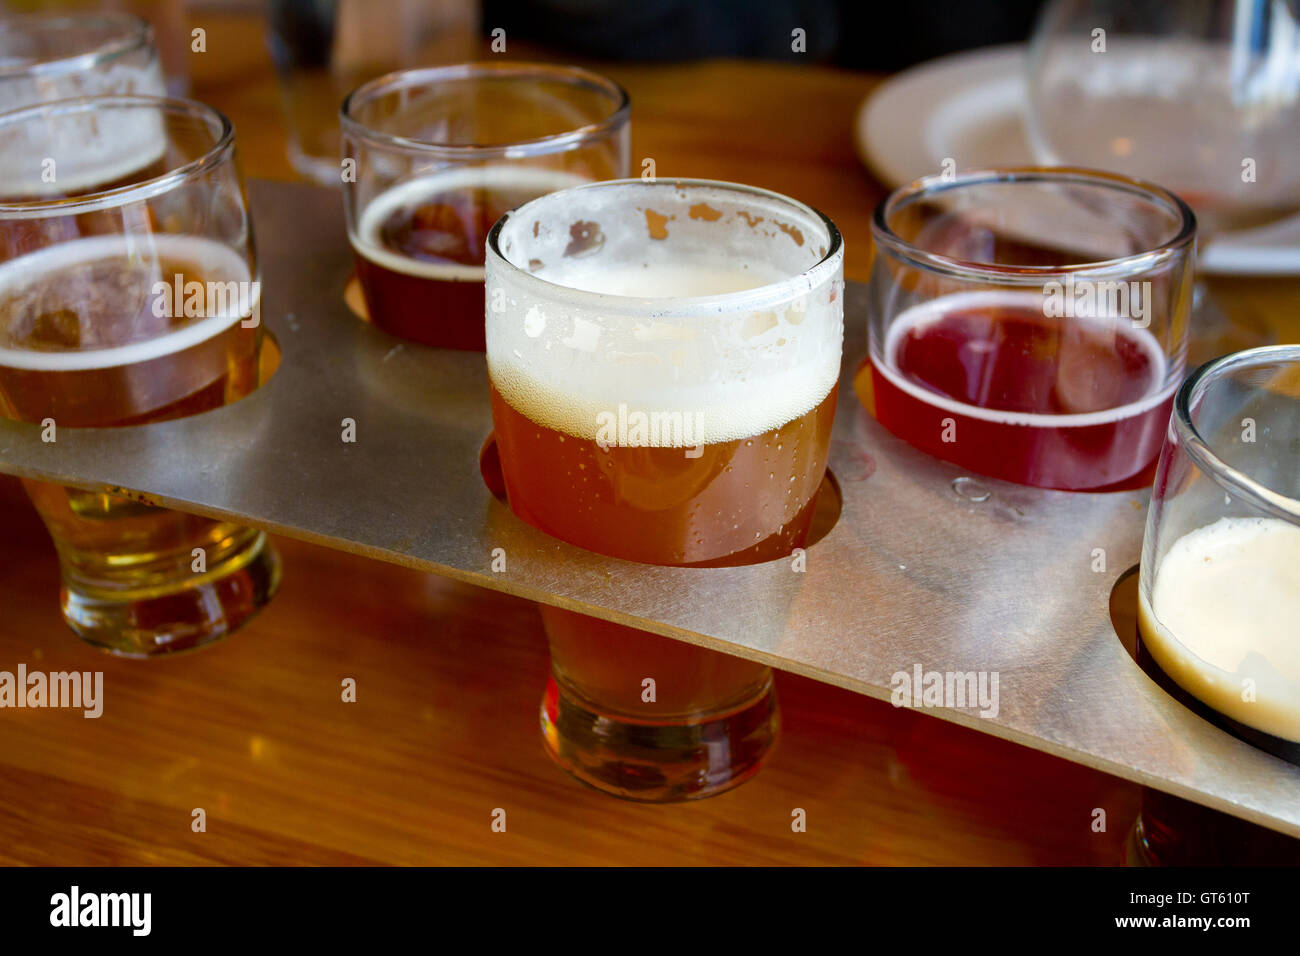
(927,567)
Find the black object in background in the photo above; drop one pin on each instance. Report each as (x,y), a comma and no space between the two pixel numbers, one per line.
(302,32)
(882,35)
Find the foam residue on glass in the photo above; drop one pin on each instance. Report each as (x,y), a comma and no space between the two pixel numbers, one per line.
(601,296)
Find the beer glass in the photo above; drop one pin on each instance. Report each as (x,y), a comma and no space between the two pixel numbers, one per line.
(663,358)
(53,57)
(1031,324)
(1199,95)
(1219,591)
(324,50)
(129,293)
(438,155)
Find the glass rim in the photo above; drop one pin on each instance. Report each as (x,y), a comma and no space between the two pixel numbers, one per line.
(423,76)
(684,306)
(218,152)
(1231,479)
(137,34)
(887,240)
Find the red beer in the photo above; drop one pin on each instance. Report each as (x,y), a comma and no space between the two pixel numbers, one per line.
(987,381)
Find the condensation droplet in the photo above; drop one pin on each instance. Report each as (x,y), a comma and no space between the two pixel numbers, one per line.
(970,489)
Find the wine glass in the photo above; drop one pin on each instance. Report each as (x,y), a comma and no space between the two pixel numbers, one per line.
(1201,96)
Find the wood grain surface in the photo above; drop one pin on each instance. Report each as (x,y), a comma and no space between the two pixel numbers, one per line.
(444,728)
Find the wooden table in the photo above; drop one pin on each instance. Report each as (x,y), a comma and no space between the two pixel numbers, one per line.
(444,729)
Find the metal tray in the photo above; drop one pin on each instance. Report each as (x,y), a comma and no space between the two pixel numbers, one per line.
(926,566)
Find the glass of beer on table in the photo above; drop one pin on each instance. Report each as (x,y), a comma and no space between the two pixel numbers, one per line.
(1219,587)
(663,358)
(129,294)
(1031,324)
(433,157)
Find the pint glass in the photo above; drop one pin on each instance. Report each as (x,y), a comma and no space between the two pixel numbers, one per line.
(438,155)
(129,294)
(1031,324)
(663,358)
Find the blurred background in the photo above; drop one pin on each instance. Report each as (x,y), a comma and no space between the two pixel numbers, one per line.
(848,33)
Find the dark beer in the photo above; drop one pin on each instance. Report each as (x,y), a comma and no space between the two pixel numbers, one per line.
(420,247)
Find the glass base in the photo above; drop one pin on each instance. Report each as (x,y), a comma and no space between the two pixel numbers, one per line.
(196,612)
(1174,832)
(658,762)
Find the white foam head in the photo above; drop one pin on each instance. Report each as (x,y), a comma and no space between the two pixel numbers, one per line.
(512,177)
(1223,609)
(29,275)
(933,310)
(718,301)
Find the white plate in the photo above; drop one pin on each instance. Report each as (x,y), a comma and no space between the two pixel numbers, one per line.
(968,107)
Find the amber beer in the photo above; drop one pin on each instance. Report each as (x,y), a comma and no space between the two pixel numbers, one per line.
(741,501)
(129,295)
(85,342)
(420,245)
(663,361)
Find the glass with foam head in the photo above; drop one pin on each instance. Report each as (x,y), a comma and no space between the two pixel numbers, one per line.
(46,57)
(439,155)
(1219,592)
(1220,582)
(663,359)
(1031,324)
(129,294)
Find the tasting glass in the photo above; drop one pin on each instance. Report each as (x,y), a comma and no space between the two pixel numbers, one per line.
(1031,324)
(1231,464)
(129,294)
(1219,588)
(715,310)
(435,156)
